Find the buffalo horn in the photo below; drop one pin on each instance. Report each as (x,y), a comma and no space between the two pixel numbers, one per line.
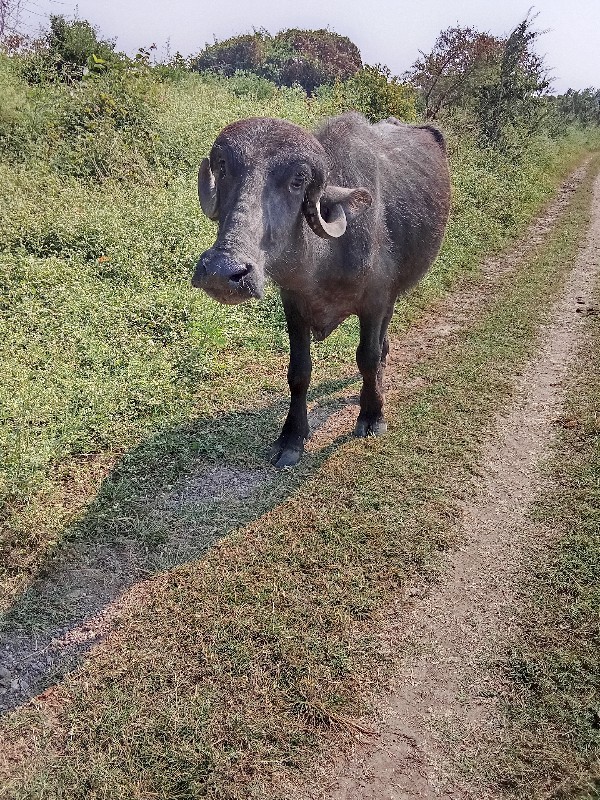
(207,190)
(335,225)
(340,204)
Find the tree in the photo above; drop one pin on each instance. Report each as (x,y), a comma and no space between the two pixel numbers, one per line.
(461,61)
(317,57)
(582,107)
(245,53)
(512,99)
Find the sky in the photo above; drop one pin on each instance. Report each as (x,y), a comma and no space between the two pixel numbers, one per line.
(390,32)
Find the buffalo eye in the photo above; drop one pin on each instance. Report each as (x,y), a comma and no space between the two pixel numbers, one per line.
(297,183)
(222,168)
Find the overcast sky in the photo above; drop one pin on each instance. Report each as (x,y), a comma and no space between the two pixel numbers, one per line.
(388,32)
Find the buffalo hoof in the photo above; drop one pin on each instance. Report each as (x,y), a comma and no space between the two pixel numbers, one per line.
(365,427)
(281,456)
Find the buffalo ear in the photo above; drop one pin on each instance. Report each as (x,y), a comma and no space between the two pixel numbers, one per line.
(207,190)
(328,216)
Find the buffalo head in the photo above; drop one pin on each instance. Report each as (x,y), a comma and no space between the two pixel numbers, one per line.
(265,182)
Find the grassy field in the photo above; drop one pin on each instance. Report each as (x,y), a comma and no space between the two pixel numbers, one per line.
(236,667)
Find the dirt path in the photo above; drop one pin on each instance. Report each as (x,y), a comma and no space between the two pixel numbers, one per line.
(444,699)
(78,601)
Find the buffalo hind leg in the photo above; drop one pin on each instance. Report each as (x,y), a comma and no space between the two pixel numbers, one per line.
(371,357)
(288,449)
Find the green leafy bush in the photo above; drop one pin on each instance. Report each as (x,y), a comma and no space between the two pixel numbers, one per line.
(106,125)
(67,52)
(581,107)
(375,93)
(249,85)
(512,102)
(448,78)
(13,96)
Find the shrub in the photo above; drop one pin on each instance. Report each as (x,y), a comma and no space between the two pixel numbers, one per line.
(303,57)
(375,93)
(74,44)
(448,77)
(239,54)
(582,107)
(511,105)
(67,52)
(247,84)
(13,98)
(18,121)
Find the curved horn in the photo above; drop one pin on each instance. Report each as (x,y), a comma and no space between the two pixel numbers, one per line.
(333,227)
(207,190)
(328,214)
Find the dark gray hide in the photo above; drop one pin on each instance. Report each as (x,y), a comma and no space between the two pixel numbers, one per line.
(343,221)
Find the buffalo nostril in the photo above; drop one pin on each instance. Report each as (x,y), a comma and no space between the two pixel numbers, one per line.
(199,275)
(236,277)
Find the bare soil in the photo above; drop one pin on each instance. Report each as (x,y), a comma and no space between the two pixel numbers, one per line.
(444,698)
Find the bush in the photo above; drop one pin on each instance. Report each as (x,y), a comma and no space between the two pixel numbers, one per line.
(101,126)
(510,108)
(74,44)
(292,57)
(18,128)
(107,126)
(66,53)
(246,84)
(581,107)
(13,97)
(375,93)
(239,54)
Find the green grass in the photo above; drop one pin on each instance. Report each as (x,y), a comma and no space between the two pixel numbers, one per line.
(552,746)
(233,668)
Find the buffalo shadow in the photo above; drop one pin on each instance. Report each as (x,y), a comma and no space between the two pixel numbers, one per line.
(163,504)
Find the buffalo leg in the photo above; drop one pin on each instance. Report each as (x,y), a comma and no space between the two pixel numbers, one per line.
(371,357)
(288,448)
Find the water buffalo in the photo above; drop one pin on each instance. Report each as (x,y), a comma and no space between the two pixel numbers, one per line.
(343,221)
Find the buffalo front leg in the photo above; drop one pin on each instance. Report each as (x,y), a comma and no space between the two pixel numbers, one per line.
(370,358)
(288,448)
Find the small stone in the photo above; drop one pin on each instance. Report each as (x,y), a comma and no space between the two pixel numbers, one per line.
(5,677)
